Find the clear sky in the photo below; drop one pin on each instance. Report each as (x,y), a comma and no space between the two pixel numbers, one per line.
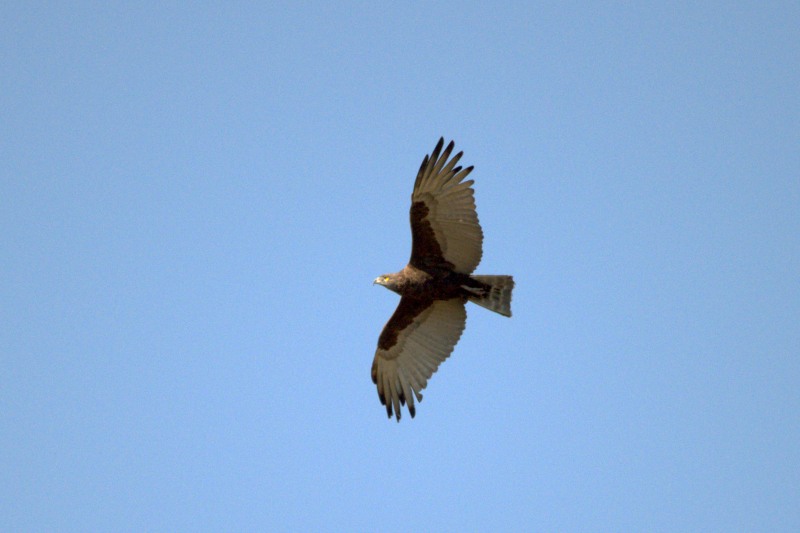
(196,198)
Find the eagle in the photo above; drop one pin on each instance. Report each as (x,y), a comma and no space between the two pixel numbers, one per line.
(436,284)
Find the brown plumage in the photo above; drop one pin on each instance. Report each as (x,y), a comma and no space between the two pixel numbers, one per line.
(436,284)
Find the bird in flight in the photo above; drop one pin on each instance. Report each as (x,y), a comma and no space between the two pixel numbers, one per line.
(437,283)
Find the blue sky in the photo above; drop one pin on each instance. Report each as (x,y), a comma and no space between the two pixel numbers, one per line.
(196,198)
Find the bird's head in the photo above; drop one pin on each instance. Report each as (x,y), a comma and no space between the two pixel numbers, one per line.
(387,280)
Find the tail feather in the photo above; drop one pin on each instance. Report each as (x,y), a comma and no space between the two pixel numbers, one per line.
(498,297)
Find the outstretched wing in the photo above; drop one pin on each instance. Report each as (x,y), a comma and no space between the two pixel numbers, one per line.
(444,224)
(420,335)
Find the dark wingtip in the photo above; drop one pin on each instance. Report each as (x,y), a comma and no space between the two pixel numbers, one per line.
(435,153)
(424,164)
(412,410)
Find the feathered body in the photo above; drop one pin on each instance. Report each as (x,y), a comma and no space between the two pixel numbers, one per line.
(436,284)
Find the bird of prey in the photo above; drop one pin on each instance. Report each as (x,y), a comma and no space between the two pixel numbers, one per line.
(436,284)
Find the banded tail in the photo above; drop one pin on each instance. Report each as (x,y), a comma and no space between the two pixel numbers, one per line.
(498,298)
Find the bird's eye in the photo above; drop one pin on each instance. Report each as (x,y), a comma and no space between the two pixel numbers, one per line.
(385,278)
